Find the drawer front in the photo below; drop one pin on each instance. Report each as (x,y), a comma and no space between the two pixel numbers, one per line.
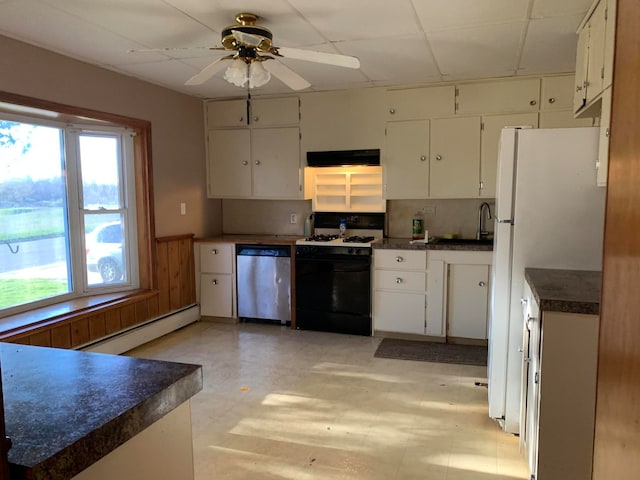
(400,259)
(216,295)
(400,280)
(216,257)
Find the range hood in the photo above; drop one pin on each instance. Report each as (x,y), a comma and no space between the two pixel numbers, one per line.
(338,158)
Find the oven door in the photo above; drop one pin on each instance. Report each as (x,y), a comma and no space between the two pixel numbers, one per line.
(333,293)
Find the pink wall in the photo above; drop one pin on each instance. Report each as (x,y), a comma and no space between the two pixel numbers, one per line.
(177,122)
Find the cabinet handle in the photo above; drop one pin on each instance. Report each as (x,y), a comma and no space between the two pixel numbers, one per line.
(257,162)
(527,360)
(536,378)
(399,259)
(256,118)
(241,119)
(524,301)
(392,111)
(423,158)
(481,284)
(552,100)
(214,282)
(438,157)
(606,132)
(245,163)
(214,251)
(532,102)
(399,280)
(530,322)
(520,349)
(578,88)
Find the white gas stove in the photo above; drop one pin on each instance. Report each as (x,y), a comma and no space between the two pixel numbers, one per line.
(362,230)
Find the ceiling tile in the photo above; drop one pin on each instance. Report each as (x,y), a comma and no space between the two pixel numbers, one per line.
(400,60)
(550,45)
(548,8)
(341,20)
(485,50)
(437,15)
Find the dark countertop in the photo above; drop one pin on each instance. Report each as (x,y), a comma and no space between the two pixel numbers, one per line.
(66,409)
(404,244)
(571,291)
(255,239)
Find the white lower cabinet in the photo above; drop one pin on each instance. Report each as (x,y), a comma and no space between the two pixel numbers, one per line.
(399,291)
(559,388)
(459,286)
(216,279)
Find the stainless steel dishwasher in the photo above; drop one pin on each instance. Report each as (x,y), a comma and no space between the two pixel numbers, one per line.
(264,282)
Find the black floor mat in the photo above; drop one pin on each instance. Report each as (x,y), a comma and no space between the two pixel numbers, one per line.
(432,352)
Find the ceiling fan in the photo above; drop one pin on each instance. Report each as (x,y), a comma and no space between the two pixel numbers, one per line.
(255,57)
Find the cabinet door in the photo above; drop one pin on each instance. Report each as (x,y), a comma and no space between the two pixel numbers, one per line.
(454,168)
(582,61)
(491,128)
(420,103)
(603,147)
(269,112)
(609,42)
(399,312)
(468,299)
(499,97)
(557,93)
(216,295)
(595,66)
(406,160)
(229,163)
(227,113)
(276,162)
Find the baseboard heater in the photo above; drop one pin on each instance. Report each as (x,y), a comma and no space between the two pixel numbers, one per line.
(140,334)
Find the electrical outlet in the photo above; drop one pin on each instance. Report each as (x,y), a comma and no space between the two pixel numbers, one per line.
(293,218)
(429,210)
(183,208)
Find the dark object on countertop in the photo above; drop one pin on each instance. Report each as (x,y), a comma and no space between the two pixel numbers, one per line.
(432,352)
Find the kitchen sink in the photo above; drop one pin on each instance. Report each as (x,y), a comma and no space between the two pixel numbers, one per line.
(462,241)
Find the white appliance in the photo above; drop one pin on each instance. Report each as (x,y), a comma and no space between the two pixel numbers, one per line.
(549,214)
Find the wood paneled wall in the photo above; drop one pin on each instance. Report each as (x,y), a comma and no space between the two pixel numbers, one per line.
(175,289)
(617,433)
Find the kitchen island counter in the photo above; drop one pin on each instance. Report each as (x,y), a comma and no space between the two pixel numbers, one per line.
(65,410)
(570,291)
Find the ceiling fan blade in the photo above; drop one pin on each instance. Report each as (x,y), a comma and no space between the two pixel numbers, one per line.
(288,76)
(247,39)
(318,57)
(209,71)
(172,49)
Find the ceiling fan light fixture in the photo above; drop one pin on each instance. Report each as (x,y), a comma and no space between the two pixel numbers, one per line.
(237,73)
(258,75)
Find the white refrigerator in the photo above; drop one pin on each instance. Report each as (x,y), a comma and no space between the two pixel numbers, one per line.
(549,214)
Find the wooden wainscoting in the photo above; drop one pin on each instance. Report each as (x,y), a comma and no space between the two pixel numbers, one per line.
(89,319)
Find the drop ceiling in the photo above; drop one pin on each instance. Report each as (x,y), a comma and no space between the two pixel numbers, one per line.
(397,42)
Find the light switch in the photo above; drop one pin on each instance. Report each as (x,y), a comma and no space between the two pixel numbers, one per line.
(183,208)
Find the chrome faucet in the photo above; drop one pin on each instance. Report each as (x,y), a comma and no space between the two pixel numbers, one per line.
(481,232)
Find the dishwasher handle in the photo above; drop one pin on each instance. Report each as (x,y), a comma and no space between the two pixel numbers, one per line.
(263,250)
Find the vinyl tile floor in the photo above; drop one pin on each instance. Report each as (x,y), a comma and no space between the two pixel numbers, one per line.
(300,405)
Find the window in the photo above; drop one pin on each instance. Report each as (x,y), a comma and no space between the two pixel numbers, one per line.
(67,211)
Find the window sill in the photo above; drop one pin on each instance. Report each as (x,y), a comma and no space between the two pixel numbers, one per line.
(13,327)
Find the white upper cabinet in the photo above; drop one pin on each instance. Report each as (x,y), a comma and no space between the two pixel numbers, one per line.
(227,113)
(594,57)
(557,93)
(406,159)
(492,125)
(609,42)
(275,156)
(454,167)
(270,112)
(504,96)
(420,103)
(229,167)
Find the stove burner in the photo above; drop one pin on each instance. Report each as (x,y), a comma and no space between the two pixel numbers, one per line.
(357,239)
(321,238)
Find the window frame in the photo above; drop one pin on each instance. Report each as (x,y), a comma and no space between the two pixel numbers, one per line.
(139,171)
